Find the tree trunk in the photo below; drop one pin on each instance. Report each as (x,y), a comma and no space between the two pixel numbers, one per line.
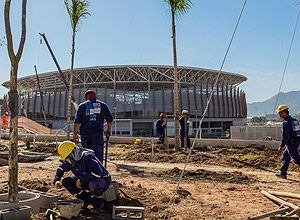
(13,137)
(13,100)
(176,106)
(71,86)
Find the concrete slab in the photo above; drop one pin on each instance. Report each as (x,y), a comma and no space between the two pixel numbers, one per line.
(109,195)
(47,200)
(18,213)
(26,198)
(129,210)
(116,187)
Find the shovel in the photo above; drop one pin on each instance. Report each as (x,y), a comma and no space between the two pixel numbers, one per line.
(106,148)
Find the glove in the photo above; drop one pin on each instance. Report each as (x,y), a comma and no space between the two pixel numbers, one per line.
(78,184)
(107,131)
(58,184)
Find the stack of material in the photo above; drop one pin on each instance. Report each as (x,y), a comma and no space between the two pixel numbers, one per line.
(32,126)
(286,209)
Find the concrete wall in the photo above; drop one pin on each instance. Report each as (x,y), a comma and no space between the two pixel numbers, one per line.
(203,142)
(256,132)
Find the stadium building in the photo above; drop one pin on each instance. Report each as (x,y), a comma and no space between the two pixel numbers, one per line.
(136,95)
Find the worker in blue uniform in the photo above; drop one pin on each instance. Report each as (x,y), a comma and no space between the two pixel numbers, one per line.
(160,128)
(89,121)
(184,122)
(90,178)
(290,138)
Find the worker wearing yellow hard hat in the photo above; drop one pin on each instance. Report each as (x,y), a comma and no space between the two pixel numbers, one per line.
(184,123)
(90,178)
(290,139)
(282,108)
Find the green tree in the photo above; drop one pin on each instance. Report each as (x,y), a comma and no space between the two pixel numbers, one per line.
(77,9)
(177,9)
(13,194)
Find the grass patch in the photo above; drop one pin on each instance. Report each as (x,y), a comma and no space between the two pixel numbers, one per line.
(242,157)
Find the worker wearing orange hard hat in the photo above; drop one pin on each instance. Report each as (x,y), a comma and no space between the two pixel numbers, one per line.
(89,122)
(290,139)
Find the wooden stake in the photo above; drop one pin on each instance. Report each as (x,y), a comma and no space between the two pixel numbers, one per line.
(280,201)
(272,213)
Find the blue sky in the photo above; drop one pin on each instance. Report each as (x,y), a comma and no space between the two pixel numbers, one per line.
(137,32)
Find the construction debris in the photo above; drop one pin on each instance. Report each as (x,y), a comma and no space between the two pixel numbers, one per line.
(288,211)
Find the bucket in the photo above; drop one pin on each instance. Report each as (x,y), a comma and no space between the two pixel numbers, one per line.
(69,208)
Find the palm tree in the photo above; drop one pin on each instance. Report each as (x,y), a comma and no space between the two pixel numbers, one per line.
(76,9)
(13,99)
(177,9)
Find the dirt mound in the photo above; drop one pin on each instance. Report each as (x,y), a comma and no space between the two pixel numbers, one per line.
(255,156)
(45,148)
(201,174)
(40,185)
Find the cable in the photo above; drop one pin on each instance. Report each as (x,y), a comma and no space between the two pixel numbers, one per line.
(172,200)
(286,63)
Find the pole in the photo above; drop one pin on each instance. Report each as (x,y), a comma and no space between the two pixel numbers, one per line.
(115,121)
(106,148)
(185,133)
(197,121)
(41,95)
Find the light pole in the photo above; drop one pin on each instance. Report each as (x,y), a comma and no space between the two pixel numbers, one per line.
(115,108)
(197,121)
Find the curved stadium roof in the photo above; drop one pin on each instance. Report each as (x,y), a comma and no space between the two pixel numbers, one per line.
(134,76)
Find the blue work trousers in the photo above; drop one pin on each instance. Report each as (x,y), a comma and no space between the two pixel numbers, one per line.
(161,137)
(182,137)
(290,152)
(91,193)
(95,142)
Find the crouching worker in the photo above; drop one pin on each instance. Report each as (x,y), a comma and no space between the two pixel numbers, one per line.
(90,178)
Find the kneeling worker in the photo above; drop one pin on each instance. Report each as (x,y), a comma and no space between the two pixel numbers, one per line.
(90,178)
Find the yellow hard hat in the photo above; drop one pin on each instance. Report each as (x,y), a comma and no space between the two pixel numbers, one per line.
(281,108)
(65,148)
(184,112)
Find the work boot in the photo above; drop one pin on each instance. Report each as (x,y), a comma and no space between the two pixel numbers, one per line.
(97,210)
(283,176)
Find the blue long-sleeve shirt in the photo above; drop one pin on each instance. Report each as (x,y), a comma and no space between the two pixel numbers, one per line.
(182,124)
(160,128)
(290,131)
(91,114)
(86,169)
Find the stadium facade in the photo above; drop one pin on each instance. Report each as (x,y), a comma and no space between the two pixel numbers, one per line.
(136,95)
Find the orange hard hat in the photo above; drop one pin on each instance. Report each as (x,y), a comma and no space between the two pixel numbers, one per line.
(89,91)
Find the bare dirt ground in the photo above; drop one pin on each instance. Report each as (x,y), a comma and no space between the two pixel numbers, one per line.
(219,183)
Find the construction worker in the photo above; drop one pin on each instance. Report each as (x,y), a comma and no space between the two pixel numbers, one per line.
(90,178)
(4,120)
(290,138)
(89,121)
(160,128)
(184,122)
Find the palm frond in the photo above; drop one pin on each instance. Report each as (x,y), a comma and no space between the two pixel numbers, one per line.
(179,7)
(76,9)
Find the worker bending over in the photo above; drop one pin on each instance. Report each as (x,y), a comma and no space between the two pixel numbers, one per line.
(160,128)
(184,122)
(90,178)
(89,121)
(290,138)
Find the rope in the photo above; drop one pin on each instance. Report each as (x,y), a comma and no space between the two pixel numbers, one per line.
(286,63)
(172,200)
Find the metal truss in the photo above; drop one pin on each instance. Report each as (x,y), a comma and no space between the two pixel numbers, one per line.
(134,77)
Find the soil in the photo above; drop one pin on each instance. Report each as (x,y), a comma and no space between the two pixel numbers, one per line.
(219,183)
